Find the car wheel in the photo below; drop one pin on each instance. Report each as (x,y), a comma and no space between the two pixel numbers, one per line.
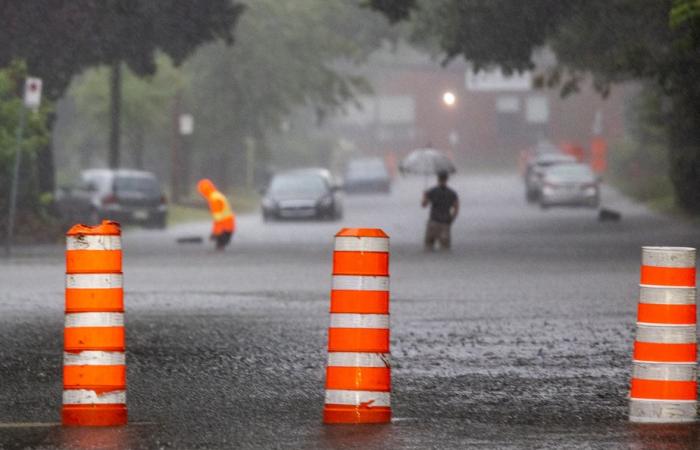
(530,196)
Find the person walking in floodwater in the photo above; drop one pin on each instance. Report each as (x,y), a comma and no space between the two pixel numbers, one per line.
(444,208)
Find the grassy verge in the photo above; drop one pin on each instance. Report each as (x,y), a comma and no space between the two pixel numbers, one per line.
(194,208)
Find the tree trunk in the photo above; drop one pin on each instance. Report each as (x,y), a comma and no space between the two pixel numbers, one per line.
(186,166)
(684,132)
(115,92)
(224,178)
(175,151)
(139,145)
(45,168)
(263,156)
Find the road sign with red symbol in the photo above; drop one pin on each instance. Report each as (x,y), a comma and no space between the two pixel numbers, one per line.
(32,92)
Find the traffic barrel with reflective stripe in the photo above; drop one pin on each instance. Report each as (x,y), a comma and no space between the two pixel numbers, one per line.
(664,371)
(358,373)
(94,363)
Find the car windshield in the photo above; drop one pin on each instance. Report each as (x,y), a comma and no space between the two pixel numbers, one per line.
(549,160)
(297,184)
(145,185)
(571,171)
(100,183)
(366,169)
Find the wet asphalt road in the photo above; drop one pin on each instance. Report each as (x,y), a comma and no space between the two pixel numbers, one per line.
(521,337)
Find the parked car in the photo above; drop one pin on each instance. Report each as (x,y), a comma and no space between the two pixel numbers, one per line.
(570,185)
(535,170)
(126,196)
(303,194)
(366,175)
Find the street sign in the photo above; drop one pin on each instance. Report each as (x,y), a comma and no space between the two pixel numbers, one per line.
(32,92)
(186,124)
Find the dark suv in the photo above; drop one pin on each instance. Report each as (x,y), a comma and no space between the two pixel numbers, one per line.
(303,194)
(126,196)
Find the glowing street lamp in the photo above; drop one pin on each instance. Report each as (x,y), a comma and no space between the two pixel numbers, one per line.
(449,98)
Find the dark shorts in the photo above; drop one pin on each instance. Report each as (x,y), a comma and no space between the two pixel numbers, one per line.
(437,231)
(223,239)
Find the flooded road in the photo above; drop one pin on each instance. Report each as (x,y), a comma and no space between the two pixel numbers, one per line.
(521,336)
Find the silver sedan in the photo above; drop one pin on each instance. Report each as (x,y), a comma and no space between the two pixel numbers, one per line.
(570,185)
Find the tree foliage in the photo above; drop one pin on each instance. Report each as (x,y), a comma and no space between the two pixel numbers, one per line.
(615,40)
(61,38)
(287,55)
(394,10)
(36,136)
(147,107)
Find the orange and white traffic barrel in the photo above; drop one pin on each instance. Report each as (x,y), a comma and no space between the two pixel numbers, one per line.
(94,366)
(664,372)
(358,374)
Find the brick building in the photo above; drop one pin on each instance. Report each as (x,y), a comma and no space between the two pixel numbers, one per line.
(492,118)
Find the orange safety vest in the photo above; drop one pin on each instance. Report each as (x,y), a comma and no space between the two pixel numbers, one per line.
(224,219)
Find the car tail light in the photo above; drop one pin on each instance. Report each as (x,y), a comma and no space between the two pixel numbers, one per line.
(111,198)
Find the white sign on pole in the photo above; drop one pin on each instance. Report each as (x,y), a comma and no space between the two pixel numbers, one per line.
(32,92)
(186,124)
(537,109)
(496,81)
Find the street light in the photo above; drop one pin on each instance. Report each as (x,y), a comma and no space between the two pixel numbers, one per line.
(449,98)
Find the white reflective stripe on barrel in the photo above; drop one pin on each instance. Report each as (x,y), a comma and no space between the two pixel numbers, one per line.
(359,321)
(357,398)
(662,411)
(94,319)
(667,295)
(359,283)
(94,358)
(677,257)
(87,397)
(665,372)
(353,359)
(361,244)
(94,281)
(666,334)
(93,242)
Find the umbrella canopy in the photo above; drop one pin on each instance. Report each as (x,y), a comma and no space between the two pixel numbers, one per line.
(426,161)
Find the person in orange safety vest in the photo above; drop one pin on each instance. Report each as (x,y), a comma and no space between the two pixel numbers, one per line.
(224,218)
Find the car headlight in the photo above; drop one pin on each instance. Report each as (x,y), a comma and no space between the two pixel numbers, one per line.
(268,203)
(325,201)
(590,191)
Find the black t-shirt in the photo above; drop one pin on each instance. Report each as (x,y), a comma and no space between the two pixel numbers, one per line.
(441,201)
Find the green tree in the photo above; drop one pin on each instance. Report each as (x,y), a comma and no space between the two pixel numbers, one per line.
(287,55)
(59,39)
(36,136)
(146,108)
(615,40)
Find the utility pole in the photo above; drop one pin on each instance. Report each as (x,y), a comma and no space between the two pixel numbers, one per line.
(175,151)
(115,114)
(250,162)
(185,130)
(15,181)
(31,99)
